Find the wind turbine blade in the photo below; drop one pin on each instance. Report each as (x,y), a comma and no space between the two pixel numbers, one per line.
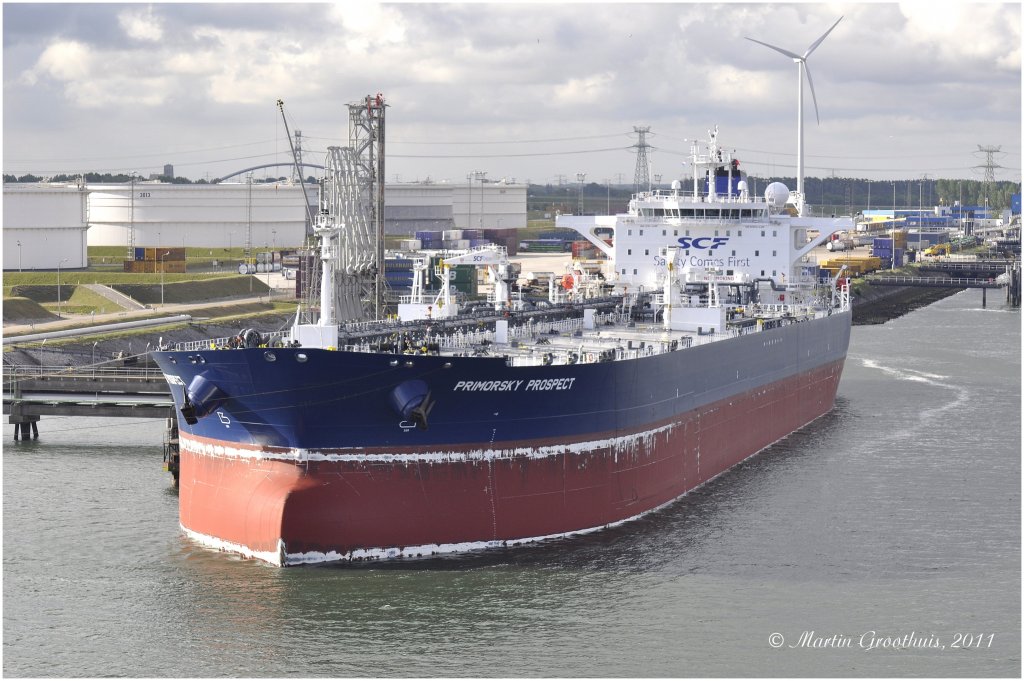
(817,42)
(777,49)
(810,82)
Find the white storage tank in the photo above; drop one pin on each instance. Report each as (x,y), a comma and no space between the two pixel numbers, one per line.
(44,226)
(199,215)
(489,205)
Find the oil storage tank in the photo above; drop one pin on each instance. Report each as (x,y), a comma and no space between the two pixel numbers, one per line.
(45,226)
(198,215)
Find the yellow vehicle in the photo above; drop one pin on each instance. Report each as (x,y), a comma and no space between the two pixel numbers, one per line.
(937,249)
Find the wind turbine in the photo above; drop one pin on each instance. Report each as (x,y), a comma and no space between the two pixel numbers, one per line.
(802,70)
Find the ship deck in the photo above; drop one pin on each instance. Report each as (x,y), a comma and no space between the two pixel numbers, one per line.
(537,341)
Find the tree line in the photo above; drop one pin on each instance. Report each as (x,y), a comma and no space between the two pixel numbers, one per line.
(120,178)
(838,194)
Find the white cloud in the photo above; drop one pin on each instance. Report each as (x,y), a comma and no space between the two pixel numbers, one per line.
(65,60)
(141,25)
(965,31)
(368,24)
(252,67)
(587,90)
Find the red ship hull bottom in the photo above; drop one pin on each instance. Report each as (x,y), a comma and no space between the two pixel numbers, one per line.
(293,506)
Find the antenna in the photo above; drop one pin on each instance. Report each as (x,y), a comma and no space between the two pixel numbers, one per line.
(802,70)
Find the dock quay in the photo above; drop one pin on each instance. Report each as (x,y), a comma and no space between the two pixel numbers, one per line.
(993,274)
(31,392)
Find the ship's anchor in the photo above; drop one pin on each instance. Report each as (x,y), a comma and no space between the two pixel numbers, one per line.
(412,401)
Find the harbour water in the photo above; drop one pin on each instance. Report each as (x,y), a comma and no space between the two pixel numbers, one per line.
(881,540)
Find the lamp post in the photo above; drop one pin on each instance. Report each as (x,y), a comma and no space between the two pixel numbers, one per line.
(58,285)
(163,264)
(19,255)
(94,357)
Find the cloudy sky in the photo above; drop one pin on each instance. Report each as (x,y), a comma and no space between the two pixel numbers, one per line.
(525,91)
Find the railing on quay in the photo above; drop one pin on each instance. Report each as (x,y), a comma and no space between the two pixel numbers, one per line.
(15,371)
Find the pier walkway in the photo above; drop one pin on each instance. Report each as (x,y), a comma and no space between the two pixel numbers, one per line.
(33,391)
(944,282)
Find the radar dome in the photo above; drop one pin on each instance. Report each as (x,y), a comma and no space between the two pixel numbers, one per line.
(776,194)
(741,185)
(676,185)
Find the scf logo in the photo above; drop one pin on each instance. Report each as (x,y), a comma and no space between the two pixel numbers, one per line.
(701,242)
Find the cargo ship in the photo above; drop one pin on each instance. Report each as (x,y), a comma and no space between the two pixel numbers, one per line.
(709,337)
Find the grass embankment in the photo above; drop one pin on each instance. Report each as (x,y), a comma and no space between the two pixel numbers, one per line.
(112,257)
(40,288)
(195,291)
(21,309)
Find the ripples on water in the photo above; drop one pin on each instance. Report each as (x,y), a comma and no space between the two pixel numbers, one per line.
(897,512)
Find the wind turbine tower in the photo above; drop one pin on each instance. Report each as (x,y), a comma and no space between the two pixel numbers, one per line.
(802,71)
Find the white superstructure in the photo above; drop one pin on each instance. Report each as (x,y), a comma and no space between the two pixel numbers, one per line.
(710,233)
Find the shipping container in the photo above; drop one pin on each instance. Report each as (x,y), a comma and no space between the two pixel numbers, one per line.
(140,253)
(172,266)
